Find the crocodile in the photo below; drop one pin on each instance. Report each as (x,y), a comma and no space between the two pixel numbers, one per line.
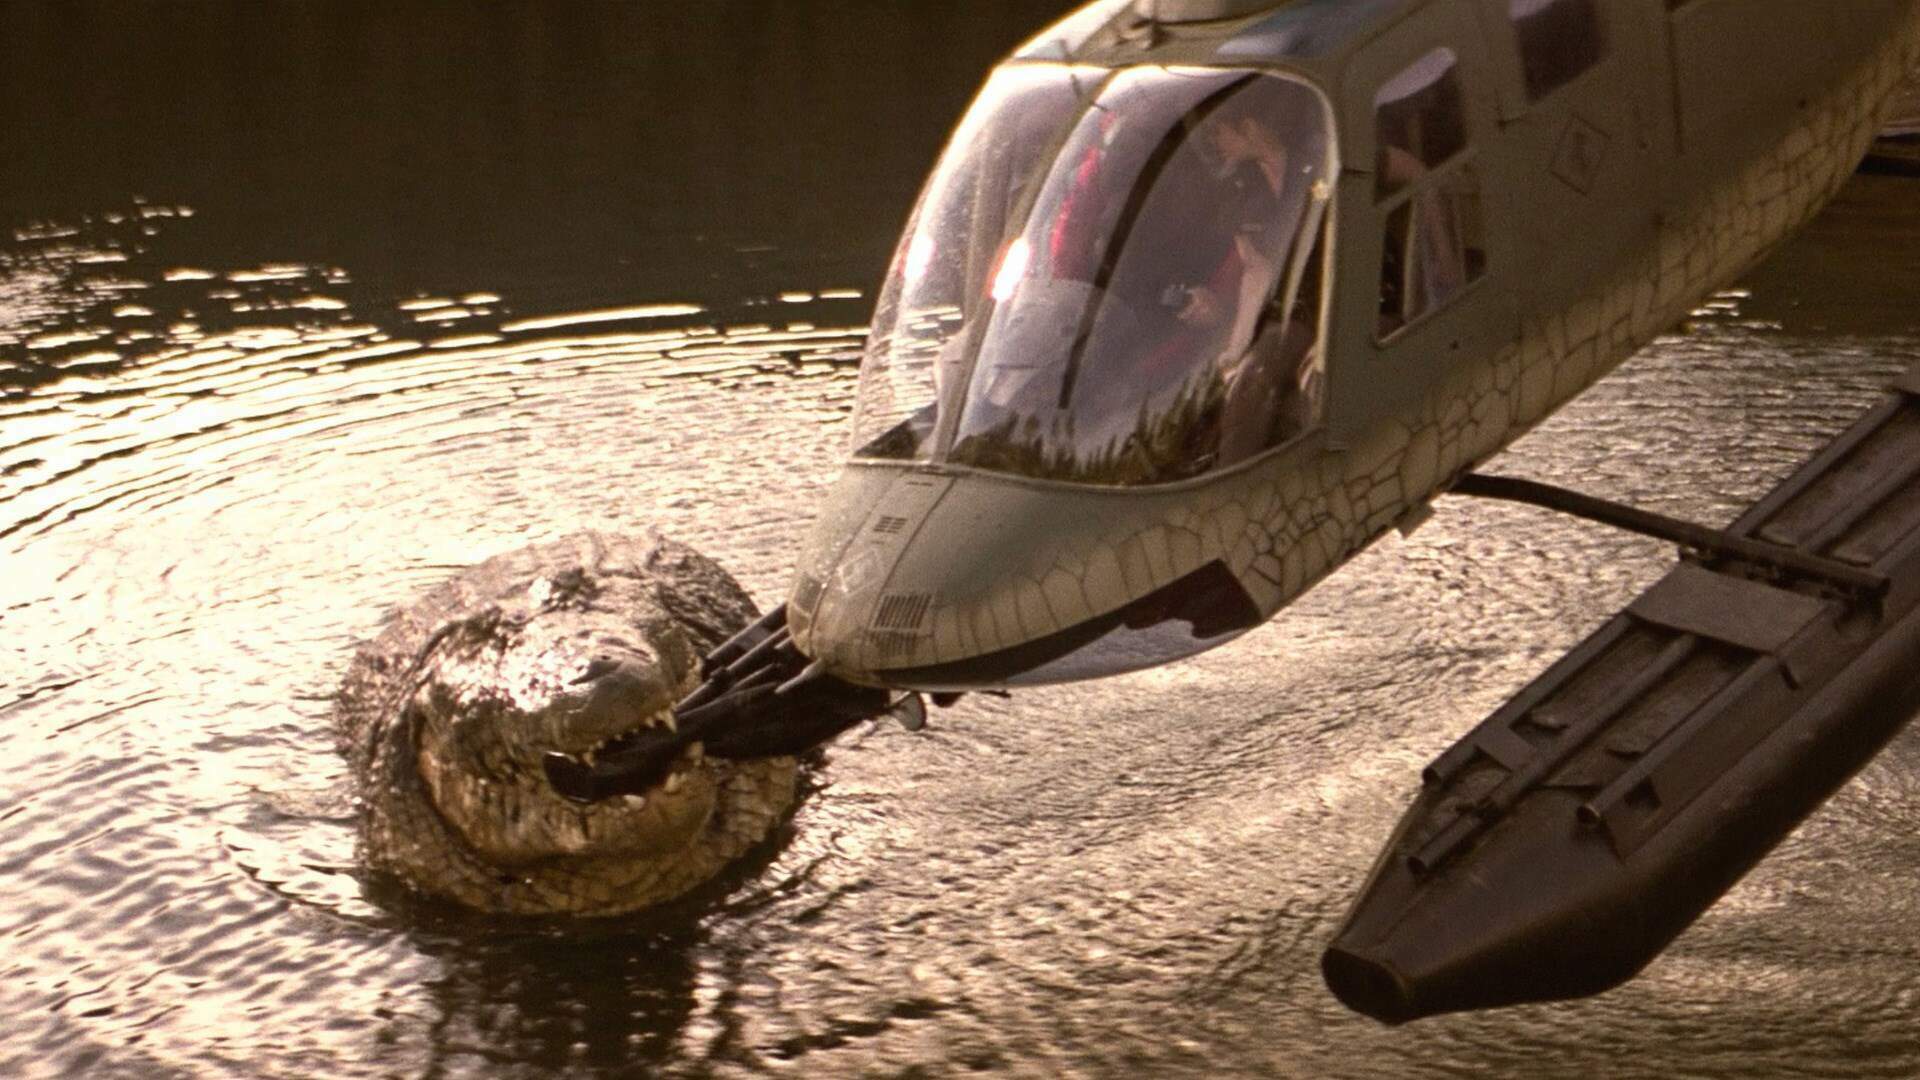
(562,647)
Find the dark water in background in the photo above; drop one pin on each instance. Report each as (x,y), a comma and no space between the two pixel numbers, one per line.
(303,306)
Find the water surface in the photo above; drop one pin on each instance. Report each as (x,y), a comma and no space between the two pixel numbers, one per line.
(301,311)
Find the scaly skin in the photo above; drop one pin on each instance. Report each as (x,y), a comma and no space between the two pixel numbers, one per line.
(445,716)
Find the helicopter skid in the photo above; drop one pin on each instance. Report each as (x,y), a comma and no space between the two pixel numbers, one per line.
(1560,846)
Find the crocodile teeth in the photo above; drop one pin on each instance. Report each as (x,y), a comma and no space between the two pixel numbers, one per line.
(697,752)
(633,802)
(673,783)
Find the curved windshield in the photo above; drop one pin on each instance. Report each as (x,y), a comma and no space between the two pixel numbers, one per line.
(937,285)
(1153,314)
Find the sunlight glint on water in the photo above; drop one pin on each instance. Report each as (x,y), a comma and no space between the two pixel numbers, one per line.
(215,479)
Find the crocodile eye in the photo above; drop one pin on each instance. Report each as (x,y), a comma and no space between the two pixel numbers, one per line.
(600,666)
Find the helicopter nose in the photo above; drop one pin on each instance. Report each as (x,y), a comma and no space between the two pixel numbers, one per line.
(843,612)
(831,616)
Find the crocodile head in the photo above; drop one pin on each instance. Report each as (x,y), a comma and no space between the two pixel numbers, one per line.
(563,647)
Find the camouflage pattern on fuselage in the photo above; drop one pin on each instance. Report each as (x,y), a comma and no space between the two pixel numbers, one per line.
(1705,135)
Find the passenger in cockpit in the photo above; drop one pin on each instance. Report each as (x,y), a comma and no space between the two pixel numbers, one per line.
(1268,359)
(1147,301)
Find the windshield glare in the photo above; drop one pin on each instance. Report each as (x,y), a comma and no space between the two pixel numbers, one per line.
(938,281)
(1151,315)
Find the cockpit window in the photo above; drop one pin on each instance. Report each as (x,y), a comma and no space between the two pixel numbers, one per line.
(930,309)
(1434,248)
(1420,121)
(1558,39)
(1155,313)
(1428,190)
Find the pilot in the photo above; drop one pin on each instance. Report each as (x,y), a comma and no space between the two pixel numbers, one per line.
(1250,167)
(1268,365)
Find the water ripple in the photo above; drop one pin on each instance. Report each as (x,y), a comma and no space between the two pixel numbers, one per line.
(208,495)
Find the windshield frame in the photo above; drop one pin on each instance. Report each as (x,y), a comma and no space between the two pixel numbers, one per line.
(1317,240)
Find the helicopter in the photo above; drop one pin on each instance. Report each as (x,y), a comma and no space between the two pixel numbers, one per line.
(1203,297)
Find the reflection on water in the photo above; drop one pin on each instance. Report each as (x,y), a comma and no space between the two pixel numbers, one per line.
(137,407)
(222,458)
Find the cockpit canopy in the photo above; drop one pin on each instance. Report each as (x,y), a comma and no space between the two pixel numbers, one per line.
(1113,277)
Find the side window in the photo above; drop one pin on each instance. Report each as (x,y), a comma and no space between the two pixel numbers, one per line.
(1558,39)
(1427,190)
(1421,120)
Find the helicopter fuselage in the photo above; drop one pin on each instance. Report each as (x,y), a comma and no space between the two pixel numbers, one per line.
(1522,194)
